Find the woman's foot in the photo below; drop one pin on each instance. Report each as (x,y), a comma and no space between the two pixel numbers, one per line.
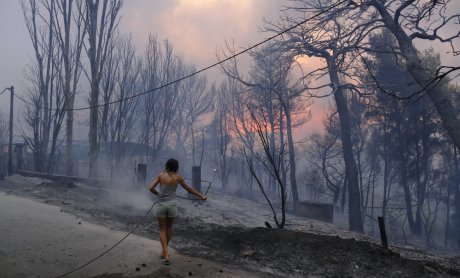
(167,262)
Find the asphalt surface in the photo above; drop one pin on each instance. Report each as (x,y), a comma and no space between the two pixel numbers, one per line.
(40,240)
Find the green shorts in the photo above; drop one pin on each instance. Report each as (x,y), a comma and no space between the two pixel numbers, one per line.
(166,209)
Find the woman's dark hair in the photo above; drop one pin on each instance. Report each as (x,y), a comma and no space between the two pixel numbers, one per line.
(172,165)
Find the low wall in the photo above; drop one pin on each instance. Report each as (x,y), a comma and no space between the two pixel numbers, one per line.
(63,178)
(319,211)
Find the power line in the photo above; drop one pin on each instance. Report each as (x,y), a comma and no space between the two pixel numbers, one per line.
(113,246)
(127,235)
(168,84)
(210,66)
(25,101)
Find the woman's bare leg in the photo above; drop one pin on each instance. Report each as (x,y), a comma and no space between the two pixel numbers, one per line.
(169,222)
(163,238)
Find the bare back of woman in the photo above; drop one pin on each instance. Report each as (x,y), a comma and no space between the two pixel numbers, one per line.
(168,178)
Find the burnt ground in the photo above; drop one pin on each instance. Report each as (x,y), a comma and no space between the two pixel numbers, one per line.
(263,251)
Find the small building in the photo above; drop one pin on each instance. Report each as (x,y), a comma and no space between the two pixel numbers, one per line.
(318,211)
(18,158)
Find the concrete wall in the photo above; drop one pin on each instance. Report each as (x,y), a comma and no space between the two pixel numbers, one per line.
(65,179)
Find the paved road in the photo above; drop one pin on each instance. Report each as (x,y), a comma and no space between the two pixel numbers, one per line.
(39,240)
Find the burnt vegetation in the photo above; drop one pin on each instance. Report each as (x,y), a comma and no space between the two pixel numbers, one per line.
(390,137)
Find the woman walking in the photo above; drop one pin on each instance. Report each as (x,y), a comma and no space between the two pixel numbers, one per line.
(166,208)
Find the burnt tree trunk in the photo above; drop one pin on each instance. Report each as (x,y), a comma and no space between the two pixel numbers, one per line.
(440,97)
(354,197)
(457,197)
(292,165)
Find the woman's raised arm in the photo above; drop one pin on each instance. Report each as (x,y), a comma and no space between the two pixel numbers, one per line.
(191,190)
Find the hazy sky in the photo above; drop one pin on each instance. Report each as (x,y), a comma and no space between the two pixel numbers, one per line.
(196,29)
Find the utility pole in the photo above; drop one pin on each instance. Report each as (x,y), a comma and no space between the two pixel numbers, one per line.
(10,143)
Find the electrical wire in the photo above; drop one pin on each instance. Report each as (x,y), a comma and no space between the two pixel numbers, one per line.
(113,246)
(208,67)
(171,83)
(25,101)
(128,234)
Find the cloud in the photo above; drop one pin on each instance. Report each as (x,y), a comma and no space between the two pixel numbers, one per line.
(196,28)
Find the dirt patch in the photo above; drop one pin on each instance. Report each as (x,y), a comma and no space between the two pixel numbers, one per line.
(268,252)
(300,254)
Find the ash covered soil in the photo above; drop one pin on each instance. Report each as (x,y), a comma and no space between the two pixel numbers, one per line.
(230,230)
